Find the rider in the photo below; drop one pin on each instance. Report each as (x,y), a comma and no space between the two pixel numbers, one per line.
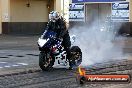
(57,24)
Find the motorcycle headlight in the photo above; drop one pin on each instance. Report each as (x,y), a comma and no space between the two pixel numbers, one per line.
(41,42)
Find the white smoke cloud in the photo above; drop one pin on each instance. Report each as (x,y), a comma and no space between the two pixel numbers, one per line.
(97,44)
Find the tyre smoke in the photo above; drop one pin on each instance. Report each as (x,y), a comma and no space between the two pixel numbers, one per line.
(98,44)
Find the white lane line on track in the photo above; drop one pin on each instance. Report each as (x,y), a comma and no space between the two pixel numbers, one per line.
(3,62)
(7,66)
(13,65)
(22,63)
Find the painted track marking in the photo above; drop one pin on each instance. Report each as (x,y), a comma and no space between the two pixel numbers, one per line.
(9,65)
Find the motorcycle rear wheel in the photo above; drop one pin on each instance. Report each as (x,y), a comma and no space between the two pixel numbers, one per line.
(76,56)
(45,61)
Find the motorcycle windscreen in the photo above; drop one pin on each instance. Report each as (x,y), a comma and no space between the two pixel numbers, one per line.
(48,34)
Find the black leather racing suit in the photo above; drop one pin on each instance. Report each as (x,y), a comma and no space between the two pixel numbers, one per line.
(60,28)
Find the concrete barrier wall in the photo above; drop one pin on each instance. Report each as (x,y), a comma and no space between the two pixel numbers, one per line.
(23,28)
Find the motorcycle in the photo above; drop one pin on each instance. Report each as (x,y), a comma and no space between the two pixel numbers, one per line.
(52,52)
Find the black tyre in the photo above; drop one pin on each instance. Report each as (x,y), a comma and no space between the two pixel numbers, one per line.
(76,56)
(45,61)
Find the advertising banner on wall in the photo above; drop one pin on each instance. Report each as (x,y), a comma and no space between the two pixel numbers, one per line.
(78,1)
(76,12)
(120,11)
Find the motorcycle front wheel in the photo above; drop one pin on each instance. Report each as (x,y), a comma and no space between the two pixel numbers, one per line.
(45,61)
